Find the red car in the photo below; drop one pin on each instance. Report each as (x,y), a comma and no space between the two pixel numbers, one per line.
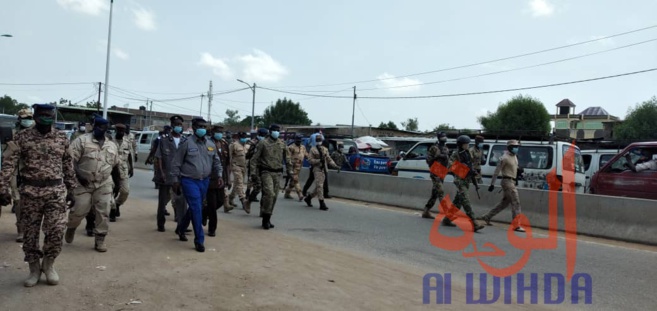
(617,179)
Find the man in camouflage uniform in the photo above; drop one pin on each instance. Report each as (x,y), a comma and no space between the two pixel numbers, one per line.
(237,152)
(462,200)
(298,153)
(121,181)
(437,153)
(507,167)
(94,158)
(47,183)
(339,158)
(270,156)
(25,121)
(319,159)
(164,155)
(216,194)
(255,184)
(476,152)
(133,143)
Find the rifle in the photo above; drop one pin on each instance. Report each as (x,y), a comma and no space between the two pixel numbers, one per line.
(471,173)
(321,158)
(473,178)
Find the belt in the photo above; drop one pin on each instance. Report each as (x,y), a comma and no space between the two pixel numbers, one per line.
(280,170)
(507,177)
(42,183)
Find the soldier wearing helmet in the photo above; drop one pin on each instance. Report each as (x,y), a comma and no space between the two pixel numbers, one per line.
(477,154)
(507,168)
(462,180)
(298,153)
(439,154)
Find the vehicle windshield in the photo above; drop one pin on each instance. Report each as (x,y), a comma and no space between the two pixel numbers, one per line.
(579,166)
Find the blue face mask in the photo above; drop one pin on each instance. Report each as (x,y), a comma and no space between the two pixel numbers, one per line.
(275,134)
(514,150)
(480,145)
(200,132)
(177,129)
(218,136)
(243,140)
(260,138)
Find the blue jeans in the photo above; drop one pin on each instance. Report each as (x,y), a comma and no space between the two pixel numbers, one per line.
(194,192)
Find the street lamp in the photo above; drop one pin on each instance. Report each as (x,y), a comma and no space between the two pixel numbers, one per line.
(109,38)
(253,88)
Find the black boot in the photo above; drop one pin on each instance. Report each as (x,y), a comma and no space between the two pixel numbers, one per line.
(118,210)
(308,201)
(448,223)
(322,205)
(265,221)
(112,216)
(269,220)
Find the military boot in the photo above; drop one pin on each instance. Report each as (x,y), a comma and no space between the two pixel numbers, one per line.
(19,230)
(118,210)
(70,235)
(49,270)
(265,221)
(231,200)
(447,222)
(269,221)
(246,205)
(100,243)
(308,201)
(287,194)
(112,215)
(427,214)
(322,205)
(35,274)
(228,208)
(477,226)
(13,207)
(485,219)
(300,196)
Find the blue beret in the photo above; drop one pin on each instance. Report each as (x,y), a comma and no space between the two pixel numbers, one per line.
(100,121)
(43,107)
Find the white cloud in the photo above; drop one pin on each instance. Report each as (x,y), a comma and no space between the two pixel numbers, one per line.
(605,42)
(91,7)
(121,54)
(144,19)
(394,84)
(260,67)
(541,8)
(219,66)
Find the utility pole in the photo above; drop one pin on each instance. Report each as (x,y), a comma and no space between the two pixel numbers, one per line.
(353,112)
(109,39)
(100,90)
(200,111)
(209,102)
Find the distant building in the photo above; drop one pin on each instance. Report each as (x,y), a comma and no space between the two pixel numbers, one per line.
(345,131)
(590,123)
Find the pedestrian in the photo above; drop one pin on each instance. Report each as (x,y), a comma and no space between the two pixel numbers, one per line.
(268,160)
(25,121)
(254,185)
(507,167)
(477,154)
(195,162)
(126,171)
(94,159)
(237,152)
(320,161)
(47,183)
(82,129)
(297,154)
(165,153)
(462,182)
(216,195)
(437,153)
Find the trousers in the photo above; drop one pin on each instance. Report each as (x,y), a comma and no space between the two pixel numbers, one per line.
(43,209)
(194,191)
(311,179)
(87,198)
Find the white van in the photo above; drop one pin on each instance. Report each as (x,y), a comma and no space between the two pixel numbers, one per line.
(536,158)
(144,140)
(594,160)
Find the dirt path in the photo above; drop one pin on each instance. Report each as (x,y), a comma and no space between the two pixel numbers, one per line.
(243,268)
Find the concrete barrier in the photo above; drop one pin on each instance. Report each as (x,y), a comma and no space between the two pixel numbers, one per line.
(625,219)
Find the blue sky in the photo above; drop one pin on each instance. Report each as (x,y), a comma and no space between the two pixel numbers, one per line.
(172,49)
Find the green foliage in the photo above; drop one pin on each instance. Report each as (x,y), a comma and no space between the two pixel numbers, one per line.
(233,118)
(286,112)
(389,126)
(640,122)
(258,121)
(443,127)
(9,105)
(411,125)
(520,114)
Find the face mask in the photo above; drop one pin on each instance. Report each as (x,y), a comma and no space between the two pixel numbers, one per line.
(82,129)
(119,135)
(46,120)
(99,133)
(480,145)
(218,136)
(243,140)
(200,132)
(443,139)
(27,123)
(514,150)
(274,134)
(319,142)
(298,143)
(260,138)
(177,129)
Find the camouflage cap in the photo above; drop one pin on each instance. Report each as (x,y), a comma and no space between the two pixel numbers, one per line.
(24,113)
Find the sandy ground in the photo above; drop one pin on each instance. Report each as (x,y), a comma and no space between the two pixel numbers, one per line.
(243,268)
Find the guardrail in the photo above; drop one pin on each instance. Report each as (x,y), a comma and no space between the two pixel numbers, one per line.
(618,218)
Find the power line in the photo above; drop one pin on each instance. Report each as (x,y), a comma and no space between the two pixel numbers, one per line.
(472,93)
(57,83)
(482,62)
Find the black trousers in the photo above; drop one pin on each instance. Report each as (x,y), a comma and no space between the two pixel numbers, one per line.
(311,179)
(163,198)
(215,200)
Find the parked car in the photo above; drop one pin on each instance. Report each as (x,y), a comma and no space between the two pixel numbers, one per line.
(616,179)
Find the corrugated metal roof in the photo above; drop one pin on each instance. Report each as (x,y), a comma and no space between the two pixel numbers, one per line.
(594,111)
(566,103)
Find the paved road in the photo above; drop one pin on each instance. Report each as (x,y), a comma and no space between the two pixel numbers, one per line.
(623,275)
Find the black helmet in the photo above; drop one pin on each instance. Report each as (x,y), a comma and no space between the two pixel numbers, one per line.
(298,137)
(263,132)
(463,139)
(441,134)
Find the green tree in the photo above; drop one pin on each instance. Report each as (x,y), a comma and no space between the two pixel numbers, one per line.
(233,118)
(443,127)
(258,121)
(520,114)
(284,111)
(389,126)
(640,122)
(411,124)
(9,105)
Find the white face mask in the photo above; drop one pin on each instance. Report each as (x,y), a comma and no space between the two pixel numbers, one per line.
(27,123)
(82,129)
